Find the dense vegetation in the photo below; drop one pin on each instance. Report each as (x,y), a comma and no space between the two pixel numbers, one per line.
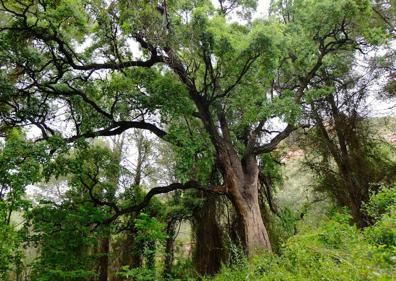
(334,250)
(197,140)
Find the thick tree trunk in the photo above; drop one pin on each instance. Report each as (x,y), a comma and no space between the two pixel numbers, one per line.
(208,251)
(104,259)
(241,181)
(252,230)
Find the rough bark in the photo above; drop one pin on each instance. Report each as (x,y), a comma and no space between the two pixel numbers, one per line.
(209,252)
(104,258)
(241,181)
(253,232)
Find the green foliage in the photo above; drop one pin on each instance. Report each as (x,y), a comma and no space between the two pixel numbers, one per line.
(149,235)
(382,207)
(65,237)
(237,255)
(381,203)
(67,232)
(194,157)
(183,270)
(10,250)
(20,165)
(288,221)
(149,229)
(348,159)
(138,274)
(335,250)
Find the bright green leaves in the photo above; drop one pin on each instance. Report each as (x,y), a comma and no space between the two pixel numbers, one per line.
(284,107)
(142,17)
(269,166)
(20,165)
(317,28)
(315,94)
(68,17)
(149,229)
(381,203)
(65,229)
(376,35)
(17,160)
(162,93)
(65,235)
(269,41)
(320,18)
(150,233)
(218,50)
(92,171)
(133,93)
(334,250)
(194,155)
(382,207)
(228,40)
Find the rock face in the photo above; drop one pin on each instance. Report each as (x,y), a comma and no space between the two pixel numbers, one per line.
(391,137)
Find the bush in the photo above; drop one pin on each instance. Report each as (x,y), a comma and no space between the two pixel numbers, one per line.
(382,235)
(381,203)
(334,251)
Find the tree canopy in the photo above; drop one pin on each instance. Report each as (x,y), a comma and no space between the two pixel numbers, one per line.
(207,89)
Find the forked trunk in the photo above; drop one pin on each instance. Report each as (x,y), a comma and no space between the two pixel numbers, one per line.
(253,233)
(241,181)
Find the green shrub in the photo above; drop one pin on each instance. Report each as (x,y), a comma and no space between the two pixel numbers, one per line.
(382,235)
(137,274)
(334,251)
(381,202)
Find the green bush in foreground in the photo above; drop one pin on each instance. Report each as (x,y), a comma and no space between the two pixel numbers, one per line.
(334,251)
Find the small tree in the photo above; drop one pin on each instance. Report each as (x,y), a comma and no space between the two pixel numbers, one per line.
(348,161)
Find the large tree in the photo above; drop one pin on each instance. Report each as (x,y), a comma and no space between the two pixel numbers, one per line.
(197,76)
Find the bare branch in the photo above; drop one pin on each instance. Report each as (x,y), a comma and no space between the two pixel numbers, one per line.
(160,190)
(268,147)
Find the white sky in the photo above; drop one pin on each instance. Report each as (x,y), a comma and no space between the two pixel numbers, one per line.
(262,8)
